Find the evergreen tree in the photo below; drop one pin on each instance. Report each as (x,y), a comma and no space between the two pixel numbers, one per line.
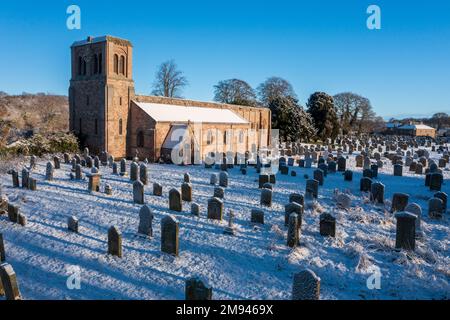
(321,108)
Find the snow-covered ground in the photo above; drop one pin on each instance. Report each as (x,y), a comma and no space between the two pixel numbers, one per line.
(256,263)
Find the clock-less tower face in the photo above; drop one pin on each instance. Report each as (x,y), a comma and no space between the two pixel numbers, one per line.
(100,91)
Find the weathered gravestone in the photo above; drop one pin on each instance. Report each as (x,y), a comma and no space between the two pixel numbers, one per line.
(114,242)
(2,249)
(157,189)
(444,197)
(123,167)
(415,209)
(8,286)
(398,170)
(213,179)
(348,175)
(197,290)
(15,178)
(219,192)
(266,197)
(138,192)
(134,171)
(25,177)
(312,187)
(195,209)
(399,202)
(143,174)
(94,181)
(293,234)
(306,286)
(223,179)
(145,221)
(365,184)
(377,192)
(169,235)
(436,208)
(263,178)
(175,200)
(296,208)
(78,173)
(13,213)
(186,192)
(215,209)
(405,237)
(436,180)
(327,225)
(318,175)
(297,197)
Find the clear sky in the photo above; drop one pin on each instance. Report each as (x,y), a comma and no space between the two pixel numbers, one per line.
(404,68)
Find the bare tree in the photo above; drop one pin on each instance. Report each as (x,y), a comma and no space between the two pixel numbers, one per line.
(354,112)
(235,91)
(169,81)
(273,88)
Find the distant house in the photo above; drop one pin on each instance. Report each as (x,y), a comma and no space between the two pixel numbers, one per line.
(411,129)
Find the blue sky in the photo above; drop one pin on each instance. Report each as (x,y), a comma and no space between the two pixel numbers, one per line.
(404,68)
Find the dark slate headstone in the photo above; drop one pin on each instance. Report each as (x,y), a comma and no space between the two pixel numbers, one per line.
(9,282)
(257,216)
(157,189)
(327,225)
(169,235)
(175,200)
(114,242)
(399,202)
(293,235)
(306,286)
(197,290)
(145,221)
(215,209)
(406,231)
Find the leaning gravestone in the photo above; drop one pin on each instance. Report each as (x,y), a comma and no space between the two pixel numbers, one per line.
(399,202)
(197,290)
(114,242)
(406,231)
(9,284)
(175,200)
(169,235)
(215,209)
(145,221)
(306,286)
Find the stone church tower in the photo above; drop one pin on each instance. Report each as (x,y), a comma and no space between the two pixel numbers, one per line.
(101,89)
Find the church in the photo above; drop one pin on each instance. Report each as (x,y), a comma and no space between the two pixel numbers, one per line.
(107,115)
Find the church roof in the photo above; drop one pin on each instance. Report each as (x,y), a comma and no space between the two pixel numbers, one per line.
(416,126)
(174,113)
(91,40)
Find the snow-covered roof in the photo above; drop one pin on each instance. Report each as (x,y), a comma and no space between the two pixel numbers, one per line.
(174,113)
(415,126)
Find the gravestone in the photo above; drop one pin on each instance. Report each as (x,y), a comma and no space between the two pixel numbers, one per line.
(367,173)
(196,290)
(444,197)
(114,168)
(89,162)
(342,164)
(213,179)
(157,189)
(365,184)
(33,161)
(143,175)
(25,176)
(186,192)
(169,235)
(215,209)
(175,200)
(219,192)
(436,180)
(332,167)
(306,286)
(312,187)
(145,221)
(348,175)
(293,234)
(435,208)
(115,242)
(108,189)
(223,179)
(57,162)
(327,225)
(374,169)
(195,209)
(297,197)
(187,178)
(97,162)
(257,216)
(266,197)
(343,201)
(72,224)
(32,184)
(296,208)
(9,284)
(415,209)
(78,173)
(405,237)
(66,158)
(13,213)
(263,178)
(94,182)
(134,171)
(123,167)
(399,202)
(229,229)
(318,175)
(15,178)
(377,192)
(398,170)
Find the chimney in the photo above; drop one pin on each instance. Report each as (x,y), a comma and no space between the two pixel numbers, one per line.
(90,38)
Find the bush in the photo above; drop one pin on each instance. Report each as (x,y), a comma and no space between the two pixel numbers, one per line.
(39,145)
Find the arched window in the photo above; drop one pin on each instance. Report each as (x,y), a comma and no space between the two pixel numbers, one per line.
(122,65)
(96,126)
(95,64)
(140,139)
(225,137)
(100,63)
(116,64)
(80,65)
(120,126)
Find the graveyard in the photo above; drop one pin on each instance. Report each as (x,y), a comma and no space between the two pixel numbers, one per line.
(324,224)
